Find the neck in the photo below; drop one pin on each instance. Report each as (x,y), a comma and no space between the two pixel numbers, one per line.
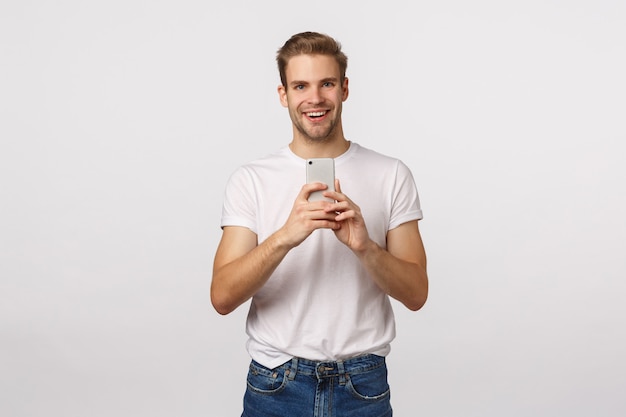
(329,147)
(319,149)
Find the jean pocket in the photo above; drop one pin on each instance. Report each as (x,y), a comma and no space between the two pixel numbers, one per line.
(262,380)
(371,385)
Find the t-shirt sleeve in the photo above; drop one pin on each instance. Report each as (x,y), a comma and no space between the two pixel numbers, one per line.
(406,204)
(239,206)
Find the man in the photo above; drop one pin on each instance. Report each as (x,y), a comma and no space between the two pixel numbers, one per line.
(319,273)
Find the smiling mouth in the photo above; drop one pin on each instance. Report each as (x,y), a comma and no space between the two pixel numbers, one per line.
(315,114)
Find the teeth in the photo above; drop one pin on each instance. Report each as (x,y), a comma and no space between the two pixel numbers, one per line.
(316,113)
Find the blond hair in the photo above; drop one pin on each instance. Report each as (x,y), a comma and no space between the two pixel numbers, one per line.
(310,43)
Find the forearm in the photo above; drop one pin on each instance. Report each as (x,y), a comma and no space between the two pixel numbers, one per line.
(242,266)
(405,281)
(237,281)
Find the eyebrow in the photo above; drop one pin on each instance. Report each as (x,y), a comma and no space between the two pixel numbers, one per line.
(322,81)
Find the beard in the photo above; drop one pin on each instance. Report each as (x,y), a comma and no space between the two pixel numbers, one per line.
(315,133)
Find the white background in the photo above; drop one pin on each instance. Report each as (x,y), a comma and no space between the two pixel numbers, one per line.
(120,122)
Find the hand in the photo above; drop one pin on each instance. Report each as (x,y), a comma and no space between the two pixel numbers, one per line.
(306,217)
(352,231)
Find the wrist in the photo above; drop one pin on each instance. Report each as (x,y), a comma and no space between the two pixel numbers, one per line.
(280,241)
(367,249)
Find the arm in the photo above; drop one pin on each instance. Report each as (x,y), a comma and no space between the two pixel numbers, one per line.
(400,270)
(242,266)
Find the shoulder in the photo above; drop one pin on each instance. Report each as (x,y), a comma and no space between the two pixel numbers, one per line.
(371,156)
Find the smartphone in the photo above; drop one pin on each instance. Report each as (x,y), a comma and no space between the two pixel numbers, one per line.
(321,170)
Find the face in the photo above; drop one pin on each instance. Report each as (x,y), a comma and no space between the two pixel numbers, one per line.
(314,95)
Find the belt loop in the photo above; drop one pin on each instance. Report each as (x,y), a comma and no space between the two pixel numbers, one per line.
(342,373)
(294,369)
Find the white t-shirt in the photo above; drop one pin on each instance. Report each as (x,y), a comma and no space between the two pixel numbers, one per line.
(320,303)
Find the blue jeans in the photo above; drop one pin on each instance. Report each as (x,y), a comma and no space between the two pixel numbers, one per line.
(355,387)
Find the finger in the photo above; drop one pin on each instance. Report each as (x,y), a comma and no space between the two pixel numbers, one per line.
(337,185)
(307,189)
(336,194)
(341,216)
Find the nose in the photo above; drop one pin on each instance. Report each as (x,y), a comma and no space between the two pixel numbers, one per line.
(316,96)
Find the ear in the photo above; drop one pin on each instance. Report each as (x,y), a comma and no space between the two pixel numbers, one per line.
(282,95)
(345,90)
